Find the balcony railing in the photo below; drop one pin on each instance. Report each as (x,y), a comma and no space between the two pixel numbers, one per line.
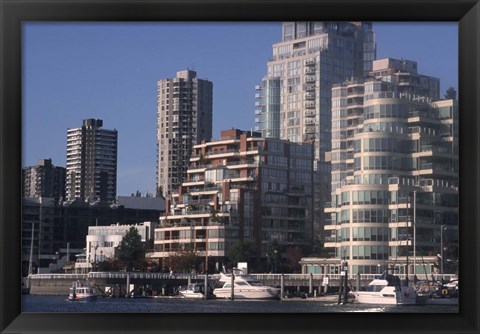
(222,152)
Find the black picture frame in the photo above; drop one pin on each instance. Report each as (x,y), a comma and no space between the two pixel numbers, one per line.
(14,12)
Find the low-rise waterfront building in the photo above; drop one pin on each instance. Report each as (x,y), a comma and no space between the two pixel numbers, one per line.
(102,241)
(241,187)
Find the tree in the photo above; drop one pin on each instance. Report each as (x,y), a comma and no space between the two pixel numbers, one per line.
(318,249)
(131,250)
(183,260)
(240,251)
(450,94)
(293,256)
(148,246)
(109,265)
(274,253)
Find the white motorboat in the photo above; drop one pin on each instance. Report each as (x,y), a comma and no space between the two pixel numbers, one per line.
(82,290)
(244,287)
(386,289)
(193,291)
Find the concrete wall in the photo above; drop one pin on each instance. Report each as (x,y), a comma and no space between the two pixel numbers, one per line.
(51,286)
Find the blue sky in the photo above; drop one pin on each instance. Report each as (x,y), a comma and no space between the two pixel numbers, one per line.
(74,71)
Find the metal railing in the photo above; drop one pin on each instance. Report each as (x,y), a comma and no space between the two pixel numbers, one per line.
(260,277)
(58,276)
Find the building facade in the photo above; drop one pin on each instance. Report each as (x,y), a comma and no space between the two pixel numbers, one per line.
(394,165)
(91,162)
(43,180)
(39,219)
(184,118)
(241,187)
(52,226)
(102,241)
(294,99)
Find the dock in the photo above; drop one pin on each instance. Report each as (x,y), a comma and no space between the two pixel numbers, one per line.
(128,284)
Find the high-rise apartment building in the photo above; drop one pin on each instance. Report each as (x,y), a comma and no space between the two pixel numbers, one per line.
(43,180)
(184,118)
(394,165)
(91,162)
(241,187)
(294,102)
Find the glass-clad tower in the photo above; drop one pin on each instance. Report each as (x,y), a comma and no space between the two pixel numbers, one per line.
(294,98)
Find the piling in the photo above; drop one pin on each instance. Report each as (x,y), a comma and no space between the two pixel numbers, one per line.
(358,282)
(282,287)
(128,285)
(232,297)
(205,288)
(310,285)
(345,288)
(340,290)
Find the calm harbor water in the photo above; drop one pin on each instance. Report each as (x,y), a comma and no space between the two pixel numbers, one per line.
(53,304)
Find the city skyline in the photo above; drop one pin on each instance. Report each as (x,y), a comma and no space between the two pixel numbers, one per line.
(74,71)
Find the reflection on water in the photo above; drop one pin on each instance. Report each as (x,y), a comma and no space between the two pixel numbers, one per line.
(179,305)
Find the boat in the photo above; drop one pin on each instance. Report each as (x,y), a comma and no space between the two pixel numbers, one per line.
(194,291)
(245,287)
(82,290)
(386,289)
(445,294)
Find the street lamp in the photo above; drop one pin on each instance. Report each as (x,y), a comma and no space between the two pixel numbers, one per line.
(442,228)
(95,258)
(414,232)
(378,268)
(275,261)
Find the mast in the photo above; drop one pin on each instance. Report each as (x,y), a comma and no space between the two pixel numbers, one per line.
(31,251)
(414,232)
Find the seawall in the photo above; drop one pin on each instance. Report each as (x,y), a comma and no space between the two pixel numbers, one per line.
(52,286)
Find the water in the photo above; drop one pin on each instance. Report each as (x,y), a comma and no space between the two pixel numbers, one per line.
(53,304)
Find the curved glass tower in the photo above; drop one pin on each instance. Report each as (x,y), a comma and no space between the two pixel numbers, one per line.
(394,165)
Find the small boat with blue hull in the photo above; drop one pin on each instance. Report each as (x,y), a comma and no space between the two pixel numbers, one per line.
(82,290)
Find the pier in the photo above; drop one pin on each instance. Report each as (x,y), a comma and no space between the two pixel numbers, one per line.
(129,284)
